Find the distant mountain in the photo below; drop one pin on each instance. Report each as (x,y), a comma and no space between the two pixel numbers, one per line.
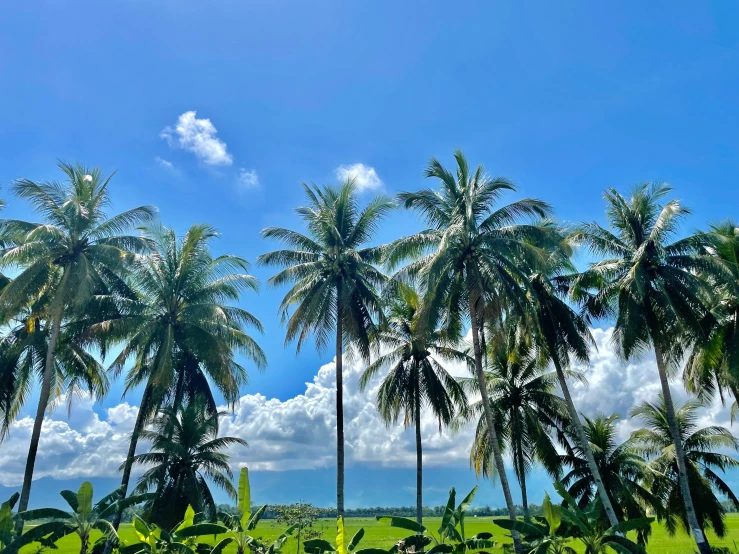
(365,487)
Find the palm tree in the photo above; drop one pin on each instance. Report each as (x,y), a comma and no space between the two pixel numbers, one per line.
(186,454)
(472,254)
(417,379)
(74,255)
(23,347)
(713,365)
(655,289)
(561,335)
(527,410)
(335,285)
(180,330)
(623,470)
(703,461)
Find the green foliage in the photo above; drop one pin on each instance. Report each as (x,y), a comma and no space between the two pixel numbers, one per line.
(450,537)
(560,525)
(186,455)
(704,459)
(301,517)
(624,472)
(321,546)
(183,539)
(84,517)
(238,527)
(332,268)
(527,410)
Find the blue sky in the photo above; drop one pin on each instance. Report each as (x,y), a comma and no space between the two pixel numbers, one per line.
(564,99)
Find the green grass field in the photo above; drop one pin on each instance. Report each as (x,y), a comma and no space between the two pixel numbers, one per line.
(379,535)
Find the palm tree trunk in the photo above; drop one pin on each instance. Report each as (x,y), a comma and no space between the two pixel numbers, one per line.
(339,417)
(493,435)
(138,426)
(585,445)
(521,474)
(419,463)
(698,535)
(43,403)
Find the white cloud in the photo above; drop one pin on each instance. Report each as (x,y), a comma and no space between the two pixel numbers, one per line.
(365,177)
(199,137)
(164,163)
(298,433)
(248,180)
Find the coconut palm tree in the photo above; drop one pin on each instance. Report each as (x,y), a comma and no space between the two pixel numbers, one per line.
(76,254)
(623,470)
(527,409)
(703,458)
(180,330)
(335,286)
(186,454)
(473,253)
(563,336)
(713,365)
(417,379)
(654,288)
(23,347)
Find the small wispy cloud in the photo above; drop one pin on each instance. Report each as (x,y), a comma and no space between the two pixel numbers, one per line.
(247,179)
(197,136)
(164,163)
(364,176)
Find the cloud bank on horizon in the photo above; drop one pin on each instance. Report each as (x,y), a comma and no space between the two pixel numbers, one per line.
(298,433)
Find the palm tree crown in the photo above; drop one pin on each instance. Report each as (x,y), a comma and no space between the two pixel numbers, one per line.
(417,380)
(186,454)
(623,470)
(527,409)
(181,330)
(702,448)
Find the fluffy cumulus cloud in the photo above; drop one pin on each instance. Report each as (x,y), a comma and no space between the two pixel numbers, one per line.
(364,176)
(80,444)
(298,433)
(197,136)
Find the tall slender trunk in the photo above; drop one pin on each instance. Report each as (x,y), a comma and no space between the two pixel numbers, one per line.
(585,445)
(493,435)
(521,474)
(138,426)
(298,550)
(43,403)
(700,537)
(339,417)
(419,462)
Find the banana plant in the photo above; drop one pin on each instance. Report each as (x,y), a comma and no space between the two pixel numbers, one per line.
(561,525)
(321,546)
(84,517)
(183,539)
(9,542)
(238,528)
(450,538)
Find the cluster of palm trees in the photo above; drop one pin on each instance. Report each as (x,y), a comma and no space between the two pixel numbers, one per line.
(84,283)
(506,270)
(81,283)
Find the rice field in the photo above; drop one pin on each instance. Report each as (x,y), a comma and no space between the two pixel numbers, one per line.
(378,535)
